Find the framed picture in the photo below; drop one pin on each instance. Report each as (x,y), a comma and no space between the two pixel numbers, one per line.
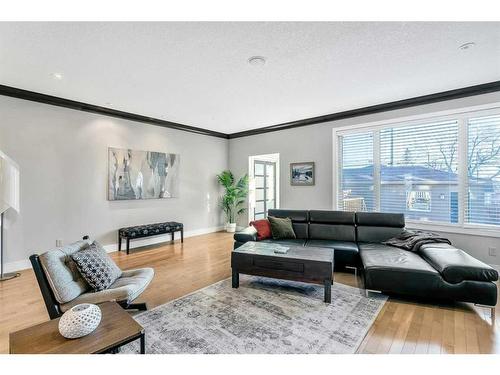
(302,174)
(134,174)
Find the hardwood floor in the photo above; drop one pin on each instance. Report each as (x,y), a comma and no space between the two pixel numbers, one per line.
(402,326)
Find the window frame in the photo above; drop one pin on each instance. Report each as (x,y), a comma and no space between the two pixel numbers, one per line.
(462,115)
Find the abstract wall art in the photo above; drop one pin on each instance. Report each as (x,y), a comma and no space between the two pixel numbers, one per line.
(136,174)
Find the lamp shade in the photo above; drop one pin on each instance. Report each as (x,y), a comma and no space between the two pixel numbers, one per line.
(9,184)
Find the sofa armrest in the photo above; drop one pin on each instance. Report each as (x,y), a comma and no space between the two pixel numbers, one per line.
(247,234)
(456,265)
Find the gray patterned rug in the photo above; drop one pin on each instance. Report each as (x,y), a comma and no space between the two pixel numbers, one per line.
(262,316)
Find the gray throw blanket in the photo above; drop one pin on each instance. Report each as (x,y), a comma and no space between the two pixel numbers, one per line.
(412,240)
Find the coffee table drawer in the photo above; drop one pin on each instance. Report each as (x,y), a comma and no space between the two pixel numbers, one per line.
(278,265)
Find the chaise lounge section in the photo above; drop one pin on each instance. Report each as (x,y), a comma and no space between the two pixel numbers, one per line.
(436,270)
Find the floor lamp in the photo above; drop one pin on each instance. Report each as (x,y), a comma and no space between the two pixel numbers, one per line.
(9,199)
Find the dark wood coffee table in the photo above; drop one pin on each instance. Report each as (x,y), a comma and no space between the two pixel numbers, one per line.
(307,264)
(117,328)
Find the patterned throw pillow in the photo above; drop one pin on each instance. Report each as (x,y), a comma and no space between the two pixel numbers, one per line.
(96,267)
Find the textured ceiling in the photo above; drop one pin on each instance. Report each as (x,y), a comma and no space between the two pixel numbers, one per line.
(197,73)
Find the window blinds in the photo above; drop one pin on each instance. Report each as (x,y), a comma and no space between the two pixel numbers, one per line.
(440,170)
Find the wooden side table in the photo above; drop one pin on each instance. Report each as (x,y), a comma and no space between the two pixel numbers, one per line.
(116,328)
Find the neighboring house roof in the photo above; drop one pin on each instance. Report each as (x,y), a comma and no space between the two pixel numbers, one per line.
(398,174)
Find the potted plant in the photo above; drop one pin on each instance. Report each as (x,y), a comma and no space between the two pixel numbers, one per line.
(234,197)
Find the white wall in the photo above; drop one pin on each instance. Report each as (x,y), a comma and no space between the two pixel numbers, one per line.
(314,143)
(62,156)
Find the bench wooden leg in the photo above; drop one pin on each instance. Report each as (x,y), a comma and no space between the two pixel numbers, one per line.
(182,235)
(128,245)
(119,243)
(172,236)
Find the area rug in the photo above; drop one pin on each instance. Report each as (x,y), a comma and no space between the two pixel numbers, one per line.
(262,316)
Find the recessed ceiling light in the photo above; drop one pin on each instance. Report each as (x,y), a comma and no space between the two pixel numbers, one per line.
(467,46)
(57,76)
(257,60)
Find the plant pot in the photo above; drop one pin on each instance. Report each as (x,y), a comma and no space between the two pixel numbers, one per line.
(231,227)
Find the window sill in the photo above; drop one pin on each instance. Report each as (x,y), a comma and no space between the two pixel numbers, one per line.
(450,228)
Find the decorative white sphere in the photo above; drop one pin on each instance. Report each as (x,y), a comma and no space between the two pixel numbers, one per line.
(80,320)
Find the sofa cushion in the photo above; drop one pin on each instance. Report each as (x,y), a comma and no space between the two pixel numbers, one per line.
(376,234)
(389,269)
(378,227)
(300,219)
(263,228)
(456,265)
(332,232)
(301,230)
(332,225)
(61,272)
(126,288)
(389,257)
(380,219)
(281,228)
(96,267)
(331,217)
(346,253)
(298,216)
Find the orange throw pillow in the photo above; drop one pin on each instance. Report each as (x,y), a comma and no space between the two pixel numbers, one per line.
(263,229)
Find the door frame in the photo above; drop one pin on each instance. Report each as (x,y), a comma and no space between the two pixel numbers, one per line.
(272,158)
(266,164)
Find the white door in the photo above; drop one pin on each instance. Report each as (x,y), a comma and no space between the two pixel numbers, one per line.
(265,188)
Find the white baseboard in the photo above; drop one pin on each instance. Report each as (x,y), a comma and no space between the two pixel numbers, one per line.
(17,266)
(26,264)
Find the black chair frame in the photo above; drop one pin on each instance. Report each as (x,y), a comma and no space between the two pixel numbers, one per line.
(48,296)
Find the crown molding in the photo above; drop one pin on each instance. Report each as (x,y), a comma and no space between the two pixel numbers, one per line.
(484,88)
(86,107)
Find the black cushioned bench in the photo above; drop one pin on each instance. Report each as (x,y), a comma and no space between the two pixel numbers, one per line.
(148,230)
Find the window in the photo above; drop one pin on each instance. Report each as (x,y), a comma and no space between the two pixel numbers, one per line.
(483,170)
(357,173)
(418,170)
(439,169)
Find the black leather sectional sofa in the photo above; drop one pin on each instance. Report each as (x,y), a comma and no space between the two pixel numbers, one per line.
(437,270)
